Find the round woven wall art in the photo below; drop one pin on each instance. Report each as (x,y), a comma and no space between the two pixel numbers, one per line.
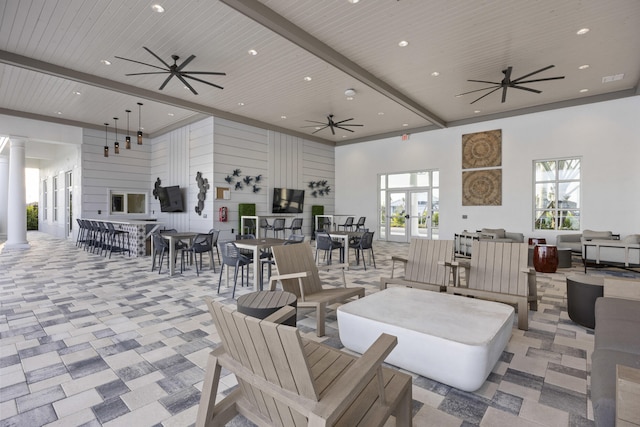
(482,149)
(482,188)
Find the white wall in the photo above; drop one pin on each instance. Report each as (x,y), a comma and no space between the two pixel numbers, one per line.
(605,135)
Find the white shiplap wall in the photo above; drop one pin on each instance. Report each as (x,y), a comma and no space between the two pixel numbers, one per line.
(282,160)
(129,170)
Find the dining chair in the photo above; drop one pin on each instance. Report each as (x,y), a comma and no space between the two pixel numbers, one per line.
(201,244)
(160,247)
(264,225)
(364,243)
(360,223)
(348,224)
(214,241)
(231,257)
(327,245)
(278,225)
(296,224)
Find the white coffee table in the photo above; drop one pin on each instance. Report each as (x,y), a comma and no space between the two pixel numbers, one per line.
(452,339)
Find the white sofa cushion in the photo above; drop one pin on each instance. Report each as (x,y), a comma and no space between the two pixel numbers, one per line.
(591,235)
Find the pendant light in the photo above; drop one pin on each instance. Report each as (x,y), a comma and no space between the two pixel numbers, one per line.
(116,145)
(139,123)
(106,146)
(127,139)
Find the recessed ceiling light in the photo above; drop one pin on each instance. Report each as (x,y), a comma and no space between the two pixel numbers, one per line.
(582,31)
(403,43)
(59,113)
(307,79)
(405,124)
(353,1)
(435,74)
(381,113)
(283,117)
(105,62)
(75,92)
(253,52)
(349,92)
(170,114)
(317,128)
(583,67)
(186,87)
(241,104)
(157,8)
(584,90)
(344,136)
(349,98)
(476,111)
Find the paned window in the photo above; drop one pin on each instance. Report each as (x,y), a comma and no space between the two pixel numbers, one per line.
(557,194)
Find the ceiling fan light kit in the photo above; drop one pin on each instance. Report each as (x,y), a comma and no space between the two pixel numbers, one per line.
(507,83)
(175,70)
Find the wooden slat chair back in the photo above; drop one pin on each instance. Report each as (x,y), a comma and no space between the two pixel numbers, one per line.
(287,381)
(499,271)
(298,274)
(427,266)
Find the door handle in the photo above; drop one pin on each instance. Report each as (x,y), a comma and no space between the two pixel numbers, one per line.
(406,216)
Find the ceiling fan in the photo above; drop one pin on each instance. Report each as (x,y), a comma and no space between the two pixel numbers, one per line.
(331,124)
(175,70)
(507,83)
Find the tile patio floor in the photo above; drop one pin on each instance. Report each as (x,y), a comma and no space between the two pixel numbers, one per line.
(88,341)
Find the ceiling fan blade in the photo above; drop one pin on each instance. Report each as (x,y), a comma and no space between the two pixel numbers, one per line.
(531,74)
(349,125)
(484,81)
(185,62)
(340,127)
(538,80)
(526,88)
(166,81)
(331,126)
(313,121)
(320,129)
(342,121)
(204,72)
(200,80)
(186,84)
(157,57)
(477,90)
(138,62)
(504,93)
(142,74)
(486,94)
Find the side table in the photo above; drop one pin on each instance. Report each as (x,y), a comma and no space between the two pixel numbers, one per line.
(582,292)
(545,258)
(261,304)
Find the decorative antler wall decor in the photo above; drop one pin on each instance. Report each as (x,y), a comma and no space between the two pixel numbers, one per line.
(203,185)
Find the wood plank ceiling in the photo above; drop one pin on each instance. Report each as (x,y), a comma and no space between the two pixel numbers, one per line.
(52,50)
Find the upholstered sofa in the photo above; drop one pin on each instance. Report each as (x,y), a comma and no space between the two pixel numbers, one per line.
(464,240)
(616,342)
(623,253)
(574,241)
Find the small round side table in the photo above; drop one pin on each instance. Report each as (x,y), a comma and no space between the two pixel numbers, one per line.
(264,303)
(545,258)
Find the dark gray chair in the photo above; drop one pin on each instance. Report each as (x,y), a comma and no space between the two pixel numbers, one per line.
(201,244)
(232,257)
(364,243)
(327,245)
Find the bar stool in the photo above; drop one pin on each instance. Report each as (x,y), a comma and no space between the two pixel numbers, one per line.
(116,240)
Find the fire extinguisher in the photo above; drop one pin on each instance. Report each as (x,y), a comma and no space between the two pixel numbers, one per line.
(222,214)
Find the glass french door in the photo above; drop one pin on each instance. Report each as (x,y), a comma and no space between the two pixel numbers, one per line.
(408,214)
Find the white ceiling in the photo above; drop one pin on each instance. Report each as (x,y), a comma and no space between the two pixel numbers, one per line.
(49,49)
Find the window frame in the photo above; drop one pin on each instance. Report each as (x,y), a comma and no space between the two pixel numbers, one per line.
(123,196)
(557,218)
(45,198)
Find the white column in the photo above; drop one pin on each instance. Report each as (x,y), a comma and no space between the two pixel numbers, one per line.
(17,197)
(4,195)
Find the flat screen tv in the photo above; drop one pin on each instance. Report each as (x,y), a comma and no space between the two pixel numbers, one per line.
(286,200)
(170,199)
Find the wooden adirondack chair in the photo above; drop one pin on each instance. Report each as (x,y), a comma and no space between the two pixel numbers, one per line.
(498,271)
(287,381)
(428,266)
(298,273)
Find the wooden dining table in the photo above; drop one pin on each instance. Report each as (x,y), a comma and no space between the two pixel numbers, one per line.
(256,245)
(173,238)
